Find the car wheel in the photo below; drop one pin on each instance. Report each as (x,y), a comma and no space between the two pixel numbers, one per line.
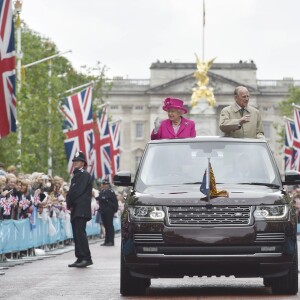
(130,285)
(287,284)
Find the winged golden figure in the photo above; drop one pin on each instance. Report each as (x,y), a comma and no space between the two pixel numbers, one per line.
(202,91)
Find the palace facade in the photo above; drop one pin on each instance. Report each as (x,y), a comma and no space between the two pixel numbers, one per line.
(138,102)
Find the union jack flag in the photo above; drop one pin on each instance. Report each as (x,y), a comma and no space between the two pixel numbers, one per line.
(24,203)
(102,146)
(296,141)
(7,70)
(78,126)
(115,147)
(288,145)
(6,205)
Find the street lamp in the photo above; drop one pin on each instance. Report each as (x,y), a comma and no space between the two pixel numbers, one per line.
(18,9)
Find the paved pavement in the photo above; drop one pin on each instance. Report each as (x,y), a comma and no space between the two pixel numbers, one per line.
(49,277)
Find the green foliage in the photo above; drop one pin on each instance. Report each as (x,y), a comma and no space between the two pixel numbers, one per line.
(38,103)
(286,108)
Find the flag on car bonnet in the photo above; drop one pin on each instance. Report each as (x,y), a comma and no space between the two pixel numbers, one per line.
(211,188)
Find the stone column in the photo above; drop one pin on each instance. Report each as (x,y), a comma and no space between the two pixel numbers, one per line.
(205,118)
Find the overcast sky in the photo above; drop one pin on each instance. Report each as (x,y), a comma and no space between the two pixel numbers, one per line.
(128,35)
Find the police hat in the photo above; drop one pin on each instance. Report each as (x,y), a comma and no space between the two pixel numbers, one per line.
(105,181)
(79,156)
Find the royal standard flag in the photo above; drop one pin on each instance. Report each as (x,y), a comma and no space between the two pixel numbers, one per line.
(211,189)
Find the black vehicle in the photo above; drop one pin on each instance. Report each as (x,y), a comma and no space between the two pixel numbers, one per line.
(171,229)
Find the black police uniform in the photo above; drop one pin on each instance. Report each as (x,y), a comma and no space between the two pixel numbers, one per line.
(107,201)
(79,202)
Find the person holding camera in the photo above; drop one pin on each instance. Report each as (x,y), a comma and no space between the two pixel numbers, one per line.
(79,200)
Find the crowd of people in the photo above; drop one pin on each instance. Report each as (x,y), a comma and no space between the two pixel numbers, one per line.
(295,194)
(41,196)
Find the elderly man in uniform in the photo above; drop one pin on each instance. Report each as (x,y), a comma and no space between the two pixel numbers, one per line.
(79,200)
(240,120)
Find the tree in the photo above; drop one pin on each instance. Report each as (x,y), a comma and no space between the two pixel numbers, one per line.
(35,115)
(286,108)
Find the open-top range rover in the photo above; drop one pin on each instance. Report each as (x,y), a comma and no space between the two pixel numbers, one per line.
(172,229)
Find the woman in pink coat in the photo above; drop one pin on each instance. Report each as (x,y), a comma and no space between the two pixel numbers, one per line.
(176,126)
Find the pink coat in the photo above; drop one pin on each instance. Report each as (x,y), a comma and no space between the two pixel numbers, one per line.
(166,131)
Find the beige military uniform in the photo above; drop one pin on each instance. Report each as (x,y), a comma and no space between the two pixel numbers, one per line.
(229,122)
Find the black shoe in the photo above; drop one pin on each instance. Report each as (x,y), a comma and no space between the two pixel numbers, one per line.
(109,244)
(84,263)
(104,244)
(74,263)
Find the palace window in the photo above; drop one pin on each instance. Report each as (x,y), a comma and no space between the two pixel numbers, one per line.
(139,130)
(139,107)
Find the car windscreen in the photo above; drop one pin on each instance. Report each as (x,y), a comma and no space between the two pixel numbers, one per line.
(185,163)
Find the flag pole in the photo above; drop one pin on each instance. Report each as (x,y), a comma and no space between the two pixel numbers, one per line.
(103,105)
(77,88)
(18,9)
(203,32)
(208,179)
(288,119)
(114,122)
(46,58)
(296,106)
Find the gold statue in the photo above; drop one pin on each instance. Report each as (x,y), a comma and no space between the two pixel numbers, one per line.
(202,91)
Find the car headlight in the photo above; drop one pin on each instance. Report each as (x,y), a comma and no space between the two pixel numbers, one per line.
(146,213)
(271,212)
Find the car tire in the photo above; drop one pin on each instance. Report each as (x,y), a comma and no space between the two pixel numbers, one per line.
(287,284)
(131,285)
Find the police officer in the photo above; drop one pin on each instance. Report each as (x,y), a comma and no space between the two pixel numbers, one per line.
(108,205)
(79,200)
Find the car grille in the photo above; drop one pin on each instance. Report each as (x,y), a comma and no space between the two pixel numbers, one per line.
(235,215)
(148,238)
(270,237)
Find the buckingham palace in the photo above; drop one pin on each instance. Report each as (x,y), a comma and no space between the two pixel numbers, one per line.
(138,102)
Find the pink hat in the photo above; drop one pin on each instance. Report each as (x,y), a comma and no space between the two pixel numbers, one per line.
(174,103)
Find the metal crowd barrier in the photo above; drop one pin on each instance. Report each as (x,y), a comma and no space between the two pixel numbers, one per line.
(21,235)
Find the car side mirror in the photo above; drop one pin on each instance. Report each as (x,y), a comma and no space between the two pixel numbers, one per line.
(291,177)
(123,178)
